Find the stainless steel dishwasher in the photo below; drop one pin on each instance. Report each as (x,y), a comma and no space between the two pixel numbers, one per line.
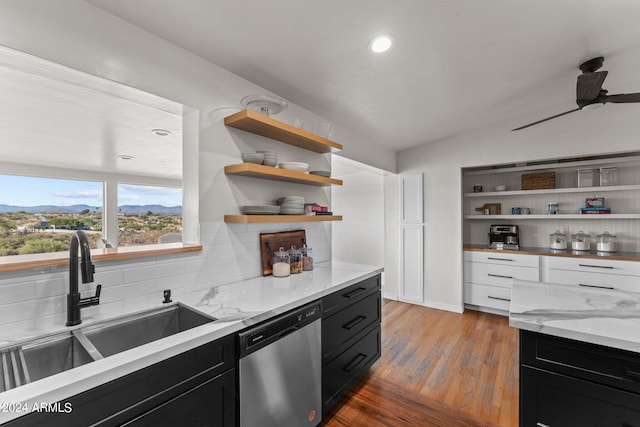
(280,371)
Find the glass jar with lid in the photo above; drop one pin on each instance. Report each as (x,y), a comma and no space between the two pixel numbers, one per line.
(580,241)
(295,260)
(606,242)
(307,258)
(558,240)
(280,263)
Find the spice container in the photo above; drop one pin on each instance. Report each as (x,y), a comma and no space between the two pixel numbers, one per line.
(295,260)
(606,242)
(280,263)
(558,240)
(553,208)
(580,241)
(307,258)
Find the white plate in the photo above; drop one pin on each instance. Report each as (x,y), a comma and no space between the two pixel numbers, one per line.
(294,166)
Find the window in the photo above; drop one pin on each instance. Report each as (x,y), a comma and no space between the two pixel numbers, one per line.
(149,214)
(39,214)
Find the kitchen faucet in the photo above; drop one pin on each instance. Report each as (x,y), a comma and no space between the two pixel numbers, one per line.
(74,300)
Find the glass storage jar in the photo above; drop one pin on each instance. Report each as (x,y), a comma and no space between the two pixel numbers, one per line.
(606,242)
(608,176)
(580,241)
(558,240)
(295,260)
(280,263)
(307,258)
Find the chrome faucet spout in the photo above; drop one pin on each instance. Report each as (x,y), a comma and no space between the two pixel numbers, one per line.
(74,300)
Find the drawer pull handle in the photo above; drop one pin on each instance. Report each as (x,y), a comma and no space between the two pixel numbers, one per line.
(498,298)
(539,424)
(500,259)
(354,292)
(596,266)
(633,374)
(595,286)
(355,362)
(354,322)
(499,275)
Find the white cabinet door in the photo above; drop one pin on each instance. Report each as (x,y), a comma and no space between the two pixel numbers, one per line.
(411,263)
(411,198)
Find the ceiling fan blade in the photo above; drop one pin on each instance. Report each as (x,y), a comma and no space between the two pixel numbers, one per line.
(544,120)
(621,98)
(589,85)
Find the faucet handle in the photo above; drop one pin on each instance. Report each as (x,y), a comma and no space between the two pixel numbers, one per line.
(97,295)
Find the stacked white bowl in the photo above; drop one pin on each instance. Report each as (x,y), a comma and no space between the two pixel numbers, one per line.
(291,205)
(270,157)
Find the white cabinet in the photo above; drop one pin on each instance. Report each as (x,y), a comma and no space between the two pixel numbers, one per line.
(594,273)
(411,201)
(488,278)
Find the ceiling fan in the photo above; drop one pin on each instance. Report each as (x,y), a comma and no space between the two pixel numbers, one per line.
(589,90)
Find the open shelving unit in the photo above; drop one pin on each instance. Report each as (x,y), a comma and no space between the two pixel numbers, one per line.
(259,124)
(555,217)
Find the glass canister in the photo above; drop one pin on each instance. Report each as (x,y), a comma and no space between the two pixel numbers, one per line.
(606,242)
(608,176)
(295,260)
(580,241)
(280,263)
(307,258)
(558,240)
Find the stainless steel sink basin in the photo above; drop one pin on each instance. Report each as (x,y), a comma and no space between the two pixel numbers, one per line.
(133,331)
(49,355)
(54,354)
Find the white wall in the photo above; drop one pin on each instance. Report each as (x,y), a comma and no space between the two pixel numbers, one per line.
(80,36)
(360,236)
(611,129)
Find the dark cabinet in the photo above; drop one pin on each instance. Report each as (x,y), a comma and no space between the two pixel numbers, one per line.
(351,340)
(566,382)
(198,382)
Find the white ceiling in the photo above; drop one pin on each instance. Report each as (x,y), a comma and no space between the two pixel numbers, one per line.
(51,115)
(457,64)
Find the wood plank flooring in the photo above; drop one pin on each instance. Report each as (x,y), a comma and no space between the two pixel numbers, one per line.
(437,369)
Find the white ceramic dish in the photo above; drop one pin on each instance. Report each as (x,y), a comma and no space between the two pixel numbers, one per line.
(260,210)
(295,166)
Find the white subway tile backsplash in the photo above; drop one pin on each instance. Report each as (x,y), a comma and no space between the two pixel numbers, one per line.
(231,252)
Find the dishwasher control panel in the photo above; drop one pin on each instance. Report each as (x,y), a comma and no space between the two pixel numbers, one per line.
(272,330)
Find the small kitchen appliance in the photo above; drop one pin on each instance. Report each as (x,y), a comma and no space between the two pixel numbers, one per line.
(504,237)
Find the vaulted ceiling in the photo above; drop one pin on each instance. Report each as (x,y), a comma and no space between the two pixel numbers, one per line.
(457,65)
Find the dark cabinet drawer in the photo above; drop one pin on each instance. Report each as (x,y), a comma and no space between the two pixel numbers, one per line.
(332,303)
(347,323)
(554,400)
(339,375)
(591,362)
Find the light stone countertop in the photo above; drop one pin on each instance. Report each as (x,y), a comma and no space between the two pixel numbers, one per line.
(236,306)
(598,316)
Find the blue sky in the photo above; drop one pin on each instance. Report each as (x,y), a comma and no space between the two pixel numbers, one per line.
(31,191)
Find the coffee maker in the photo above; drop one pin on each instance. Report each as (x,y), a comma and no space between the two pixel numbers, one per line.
(504,237)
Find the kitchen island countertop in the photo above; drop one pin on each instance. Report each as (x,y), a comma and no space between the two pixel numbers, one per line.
(598,316)
(236,306)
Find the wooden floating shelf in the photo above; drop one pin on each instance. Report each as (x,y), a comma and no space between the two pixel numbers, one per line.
(259,124)
(254,219)
(268,172)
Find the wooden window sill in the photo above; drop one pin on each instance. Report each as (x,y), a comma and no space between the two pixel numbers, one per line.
(26,262)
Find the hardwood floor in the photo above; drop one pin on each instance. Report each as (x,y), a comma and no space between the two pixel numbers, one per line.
(437,369)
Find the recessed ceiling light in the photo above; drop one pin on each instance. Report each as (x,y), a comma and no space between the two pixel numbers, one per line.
(125,156)
(381,43)
(161,132)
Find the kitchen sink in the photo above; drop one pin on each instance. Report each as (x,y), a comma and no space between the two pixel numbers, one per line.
(123,334)
(49,355)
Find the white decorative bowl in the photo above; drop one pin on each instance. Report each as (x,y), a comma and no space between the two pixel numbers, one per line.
(294,166)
